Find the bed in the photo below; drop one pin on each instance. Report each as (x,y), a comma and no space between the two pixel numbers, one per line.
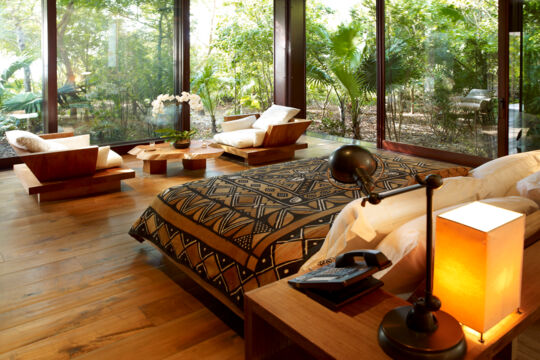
(234,233)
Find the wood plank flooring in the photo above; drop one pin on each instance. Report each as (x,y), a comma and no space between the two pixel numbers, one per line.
(74,284)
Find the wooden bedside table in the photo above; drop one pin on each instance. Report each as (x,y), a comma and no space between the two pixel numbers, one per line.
(282,322)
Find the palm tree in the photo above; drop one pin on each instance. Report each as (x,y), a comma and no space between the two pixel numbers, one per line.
(5,85)
(340,66)
(206,85)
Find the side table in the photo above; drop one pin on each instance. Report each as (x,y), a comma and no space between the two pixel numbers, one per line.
(155,157)
(281,322)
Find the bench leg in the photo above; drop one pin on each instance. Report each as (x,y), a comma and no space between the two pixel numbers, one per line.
(155,166)
(196,164)
(92,189)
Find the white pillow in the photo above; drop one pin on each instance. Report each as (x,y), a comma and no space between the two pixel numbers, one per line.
(243,123)
(530,187)
(406,246)
(275,115)
(358,227)
(73,142)
(501,174)
(241,138)
(26,141)
(102,156)
(55,146)
(114,159)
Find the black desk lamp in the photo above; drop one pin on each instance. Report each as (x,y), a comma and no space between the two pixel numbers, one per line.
(420,331)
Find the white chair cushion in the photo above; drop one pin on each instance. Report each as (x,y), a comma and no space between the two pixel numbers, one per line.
(240,124)
(73,142)
(241,138)
(26,141)
(53,146)
(502,174)
(406,246)
(102,157)
(275,115)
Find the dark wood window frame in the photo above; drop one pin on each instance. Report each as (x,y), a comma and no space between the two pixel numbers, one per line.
(289,73)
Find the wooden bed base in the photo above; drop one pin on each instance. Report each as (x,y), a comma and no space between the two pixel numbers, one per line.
(193,276)
(101,181)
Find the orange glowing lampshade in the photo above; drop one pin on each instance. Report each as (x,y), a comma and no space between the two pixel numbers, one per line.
(478,263)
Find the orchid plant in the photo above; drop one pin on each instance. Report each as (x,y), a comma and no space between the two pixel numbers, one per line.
(158,105)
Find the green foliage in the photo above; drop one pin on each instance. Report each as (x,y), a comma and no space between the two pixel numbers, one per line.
(206,84)
(172,135)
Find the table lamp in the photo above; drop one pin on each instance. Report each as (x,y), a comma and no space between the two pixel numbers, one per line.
(420,331)
(478,263)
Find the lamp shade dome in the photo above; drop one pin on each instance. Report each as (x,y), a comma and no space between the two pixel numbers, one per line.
(345,160)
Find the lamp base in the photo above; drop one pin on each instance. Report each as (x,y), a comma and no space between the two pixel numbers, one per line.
(400,342)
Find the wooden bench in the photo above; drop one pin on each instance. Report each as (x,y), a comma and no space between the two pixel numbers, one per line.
(68,173)
(279,142)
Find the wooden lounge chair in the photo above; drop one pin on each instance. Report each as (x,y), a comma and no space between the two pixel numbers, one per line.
(279,142)
(62,174)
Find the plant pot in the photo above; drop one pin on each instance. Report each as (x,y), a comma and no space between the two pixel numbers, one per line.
(181,144)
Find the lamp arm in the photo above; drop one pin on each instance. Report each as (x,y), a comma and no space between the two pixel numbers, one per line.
(421,316)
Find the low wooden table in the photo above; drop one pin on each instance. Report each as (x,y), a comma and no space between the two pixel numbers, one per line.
(155,157)
(281,322)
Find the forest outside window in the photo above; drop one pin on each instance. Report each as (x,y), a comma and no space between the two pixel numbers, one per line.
(21,97)
(113,59)
(231,59)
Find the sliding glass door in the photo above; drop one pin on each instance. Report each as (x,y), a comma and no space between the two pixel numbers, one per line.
(20,69)
(524,102)
(113,60)
(441,75)
(341,67)
(231,59)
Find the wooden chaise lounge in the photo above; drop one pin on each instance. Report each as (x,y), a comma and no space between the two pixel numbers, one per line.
(62,174)
(279,142)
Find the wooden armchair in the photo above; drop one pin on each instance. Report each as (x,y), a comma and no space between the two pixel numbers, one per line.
(66,173)
(279,142)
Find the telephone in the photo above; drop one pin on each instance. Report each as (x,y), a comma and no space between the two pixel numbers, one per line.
(338,283)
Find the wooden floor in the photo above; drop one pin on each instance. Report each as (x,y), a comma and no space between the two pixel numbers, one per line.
(73,284)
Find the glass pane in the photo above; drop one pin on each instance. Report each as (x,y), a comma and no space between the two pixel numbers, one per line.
(20,69)
(232,59)
(341,68)
(524,111)
(113,60)
(441,59)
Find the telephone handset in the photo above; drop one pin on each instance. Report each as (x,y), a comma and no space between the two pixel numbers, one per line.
(346,279)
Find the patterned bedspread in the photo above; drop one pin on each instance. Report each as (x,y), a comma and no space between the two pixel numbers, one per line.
(245,230)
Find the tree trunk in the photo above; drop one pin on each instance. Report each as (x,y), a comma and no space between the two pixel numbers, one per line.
(355,115)
(159,74)
(210,37)
(342,116)
(412,99)
(213,119)
(21,41)
(62,27)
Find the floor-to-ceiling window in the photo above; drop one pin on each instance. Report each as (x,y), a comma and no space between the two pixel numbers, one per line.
(341,68)
(231,56)
(113,59)
(20,69)
(441,74)
(524,104)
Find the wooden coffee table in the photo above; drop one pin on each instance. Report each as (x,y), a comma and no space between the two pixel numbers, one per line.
(155,157)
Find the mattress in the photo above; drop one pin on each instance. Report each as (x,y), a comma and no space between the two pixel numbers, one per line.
(241,231)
